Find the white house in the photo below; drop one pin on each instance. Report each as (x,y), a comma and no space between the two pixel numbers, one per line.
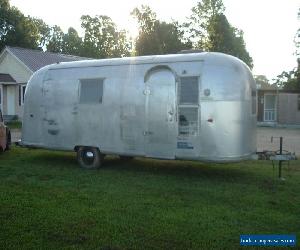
(16,67)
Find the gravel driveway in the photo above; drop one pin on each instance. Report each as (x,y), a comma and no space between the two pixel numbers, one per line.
(291,138)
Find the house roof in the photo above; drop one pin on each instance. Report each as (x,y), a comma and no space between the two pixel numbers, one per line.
(6,78)
(36,59)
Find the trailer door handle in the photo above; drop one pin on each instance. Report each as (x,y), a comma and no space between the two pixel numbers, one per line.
(170,115)
(147,133)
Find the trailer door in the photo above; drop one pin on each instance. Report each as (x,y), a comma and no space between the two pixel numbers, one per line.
(160,133)
(50,112)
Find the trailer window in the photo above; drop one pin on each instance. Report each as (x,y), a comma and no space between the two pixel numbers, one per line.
(91,91)
(253,99)
(188,121)
(188,106)
(22,89)
(188,90)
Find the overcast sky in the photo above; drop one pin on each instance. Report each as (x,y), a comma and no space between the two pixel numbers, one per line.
(269,25)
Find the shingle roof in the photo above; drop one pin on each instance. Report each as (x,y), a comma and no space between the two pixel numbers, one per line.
(6,78)
(36,59)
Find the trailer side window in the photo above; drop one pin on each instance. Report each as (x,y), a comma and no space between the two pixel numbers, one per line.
(188,106)
(188,121)
(253,99)
(91,90)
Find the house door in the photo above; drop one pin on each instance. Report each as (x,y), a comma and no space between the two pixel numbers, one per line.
(269,108)
(11,108)
(160,133)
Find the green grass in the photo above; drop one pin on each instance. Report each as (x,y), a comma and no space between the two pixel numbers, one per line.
(14,124)
(48,202)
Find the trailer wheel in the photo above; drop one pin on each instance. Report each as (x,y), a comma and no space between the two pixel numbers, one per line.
(89,157)
(126,158)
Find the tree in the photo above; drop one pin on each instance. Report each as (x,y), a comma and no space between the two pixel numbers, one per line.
(287,80)
(262,82)
(222,37)
(123,45)
(156,37)
(210,30)
(297,39)
(16,29)
(146,18)
(72,43)
(42,30)
(5,22)
(199,21)
(55,43)
(102,39)
(290,80)
(239,47)
(297,44)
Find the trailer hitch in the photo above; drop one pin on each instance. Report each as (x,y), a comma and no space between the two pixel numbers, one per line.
(278,155)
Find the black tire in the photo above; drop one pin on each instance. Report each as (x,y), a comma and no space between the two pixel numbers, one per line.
(89,157)
(126,158)
(8,141)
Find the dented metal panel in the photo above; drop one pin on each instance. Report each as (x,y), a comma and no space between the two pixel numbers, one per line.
(140,112)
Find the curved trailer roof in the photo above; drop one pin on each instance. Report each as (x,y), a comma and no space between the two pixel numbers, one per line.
(156,59)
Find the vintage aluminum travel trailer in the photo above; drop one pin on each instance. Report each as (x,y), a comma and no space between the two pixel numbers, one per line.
(197,106)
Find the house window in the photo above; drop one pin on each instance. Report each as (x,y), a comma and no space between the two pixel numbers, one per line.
(91,91)
(188,107)
(22,88)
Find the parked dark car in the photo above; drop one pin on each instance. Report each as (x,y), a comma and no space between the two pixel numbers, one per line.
(5,136)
